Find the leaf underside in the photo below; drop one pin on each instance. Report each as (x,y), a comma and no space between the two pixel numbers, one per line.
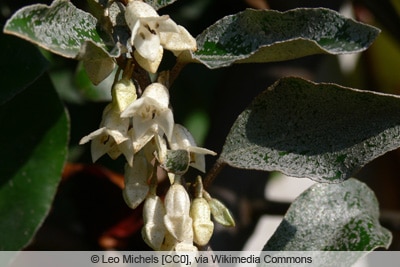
(332,217)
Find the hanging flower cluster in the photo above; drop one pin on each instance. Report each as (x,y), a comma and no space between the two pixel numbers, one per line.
(143,130)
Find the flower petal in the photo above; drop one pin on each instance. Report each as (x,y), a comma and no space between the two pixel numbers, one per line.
(92,135)
(102,144)
(167,25)
(178,41)
(142,126)
(166,122)
(159,93)
(133,108)
(147,44)
(150,66)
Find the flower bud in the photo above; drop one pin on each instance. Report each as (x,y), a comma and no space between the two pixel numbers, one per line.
(177,219)
(136,187)
(221,213)
(203,227)
(123,93)
(153,231)
(169,242)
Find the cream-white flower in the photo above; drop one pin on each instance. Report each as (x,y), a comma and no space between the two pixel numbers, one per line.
(183,139)
(151,113)
(112,136)
(153,231)
(177,207)
(151,31)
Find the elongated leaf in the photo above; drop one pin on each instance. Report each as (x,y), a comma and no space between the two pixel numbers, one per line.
(321,131)
(20,64)
(33,151)
(267,35)
(60,28)
(332,217)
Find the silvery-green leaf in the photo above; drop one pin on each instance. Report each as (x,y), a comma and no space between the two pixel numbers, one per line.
(177,161)
(321,131)
(332,217)
(60,28)
(268,35)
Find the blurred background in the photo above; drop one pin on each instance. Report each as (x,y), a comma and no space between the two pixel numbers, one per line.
(88,211)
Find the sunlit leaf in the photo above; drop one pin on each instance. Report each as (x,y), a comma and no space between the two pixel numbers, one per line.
(60,28)
(32,155)
(332,217)
(321,131)
(268,35)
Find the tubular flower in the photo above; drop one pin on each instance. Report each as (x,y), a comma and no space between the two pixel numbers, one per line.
(182,139)
(203,227)
(151,113)
(177,219)
(151,33)
(112,136)
(153,231)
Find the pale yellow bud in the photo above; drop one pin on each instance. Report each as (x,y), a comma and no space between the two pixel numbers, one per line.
(123,93)
(203,227)
(153,231)
(177,206)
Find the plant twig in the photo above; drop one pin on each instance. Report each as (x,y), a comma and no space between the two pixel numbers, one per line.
(213,172)
(176,69)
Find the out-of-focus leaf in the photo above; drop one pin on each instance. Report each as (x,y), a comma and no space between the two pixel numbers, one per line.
(332,217)
(60,28)
(33,150)
(321,131)
(20,65)
(268,35)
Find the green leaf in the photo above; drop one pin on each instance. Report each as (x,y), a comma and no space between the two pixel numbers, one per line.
(268,35)
(157,4)
(321,131)
(177,161)
(32,155)
(332,217)
(20,64)
(60,28)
